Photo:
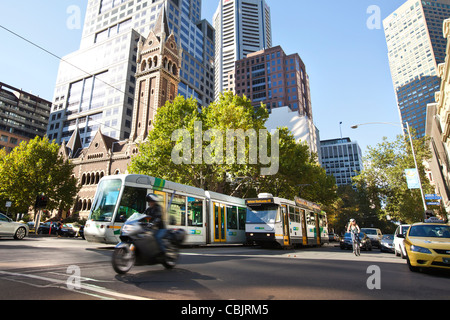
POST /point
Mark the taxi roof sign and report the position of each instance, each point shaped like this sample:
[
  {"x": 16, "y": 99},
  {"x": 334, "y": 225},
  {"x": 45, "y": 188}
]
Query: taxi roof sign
[{"x": 434, "y": 220}]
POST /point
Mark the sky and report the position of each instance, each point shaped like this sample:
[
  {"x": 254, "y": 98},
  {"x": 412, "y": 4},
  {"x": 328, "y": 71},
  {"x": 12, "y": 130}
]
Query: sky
[{"x": 346, "y": 61}]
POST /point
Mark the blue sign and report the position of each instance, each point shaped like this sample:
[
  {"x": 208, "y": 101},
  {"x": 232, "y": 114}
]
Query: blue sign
[
  {"x": 433, "y": 203},
  {"x": 432, "y": 197},
  {"x": 412, "y": 178}
]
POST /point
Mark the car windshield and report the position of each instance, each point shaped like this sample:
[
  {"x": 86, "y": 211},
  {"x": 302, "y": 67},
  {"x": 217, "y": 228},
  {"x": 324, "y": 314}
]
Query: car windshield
[
  {"x": 262, "y": 215},
  {"x": 430, "y": 231},
  {"x": 349, "y": 235},
  {"x": 369, "y": 231},
  {"x": 388, "y": 237},
  {"x": 405, "y": 229}
]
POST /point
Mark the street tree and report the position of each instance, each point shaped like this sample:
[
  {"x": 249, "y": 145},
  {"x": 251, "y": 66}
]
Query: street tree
[
  {"x": 35, "y": 168},
  {"x": 384, "y": 180},
  {"x": 216, "y": 149}
]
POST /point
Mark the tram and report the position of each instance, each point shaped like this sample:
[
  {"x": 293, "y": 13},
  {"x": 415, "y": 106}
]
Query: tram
[
  {"x": 286, "y": 223},
  {"x": 207, "y": 217}
]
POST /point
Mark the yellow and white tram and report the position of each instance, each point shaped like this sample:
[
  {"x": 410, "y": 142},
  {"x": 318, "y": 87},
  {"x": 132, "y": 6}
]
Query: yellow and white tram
[
  {"x": 207, "y": 217},
  {"x": 273, "y": 220}
]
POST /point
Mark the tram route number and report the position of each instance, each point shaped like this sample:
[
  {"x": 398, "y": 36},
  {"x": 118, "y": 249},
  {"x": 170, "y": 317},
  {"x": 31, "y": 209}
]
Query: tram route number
[{"x": 231, "y": 309}]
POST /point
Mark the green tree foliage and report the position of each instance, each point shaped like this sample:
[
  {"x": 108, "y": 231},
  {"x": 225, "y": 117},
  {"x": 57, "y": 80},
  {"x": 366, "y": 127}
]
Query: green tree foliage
[
  {"x": 298, "y": 171},
  {"x": 384, "y": 181},
  {"x": 34, "y": 168}
]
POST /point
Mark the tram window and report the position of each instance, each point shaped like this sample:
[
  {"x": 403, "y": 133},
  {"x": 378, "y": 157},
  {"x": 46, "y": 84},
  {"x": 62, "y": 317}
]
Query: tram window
[
  {"x": 106, "y": 200},
  {"x": 297, "y": 215},
  {"x": 133, "y": 200},
  {"x": 231, "y": 218},
  {"x": 310, "y": 219},
  {"x": 195, "y": 212},
  {"x": 242, "y": 213},
  {"x": 177, "y": 213},
  {"x": 291, "y": 214}
]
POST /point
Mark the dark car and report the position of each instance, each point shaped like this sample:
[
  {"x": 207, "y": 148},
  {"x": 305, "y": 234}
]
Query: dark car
[
  {"x": 346, "y": 242},
  {"x": 387, "y": 243},
  {"x": 56, "y": 228},
  {"x": 48, "y": 228}
]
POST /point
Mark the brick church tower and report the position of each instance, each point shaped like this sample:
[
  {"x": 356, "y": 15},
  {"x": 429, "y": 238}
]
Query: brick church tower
[{"x": 157, "y": 77}]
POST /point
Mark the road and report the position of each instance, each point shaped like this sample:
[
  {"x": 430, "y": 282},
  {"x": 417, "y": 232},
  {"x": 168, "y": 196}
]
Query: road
[{"x": 72, "y": 269}]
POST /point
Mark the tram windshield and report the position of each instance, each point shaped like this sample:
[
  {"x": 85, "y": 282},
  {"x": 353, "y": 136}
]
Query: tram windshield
[
  {"x": 132, "y": 201},
  {"x": 105, "y": 200},
  {"x": 262, "y": 215}
]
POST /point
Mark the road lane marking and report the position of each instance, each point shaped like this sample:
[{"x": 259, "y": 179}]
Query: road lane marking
[{"x": 63, "y": 285}]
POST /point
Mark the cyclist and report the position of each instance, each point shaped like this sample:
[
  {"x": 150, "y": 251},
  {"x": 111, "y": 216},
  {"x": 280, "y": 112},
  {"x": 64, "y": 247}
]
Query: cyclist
[{"x": 354, "y": 230}]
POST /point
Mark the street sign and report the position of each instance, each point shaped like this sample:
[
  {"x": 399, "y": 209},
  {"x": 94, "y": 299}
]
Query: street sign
[
  {"x": 412, "y": 178},
  {"x": 432, "y": 197},
  {"x": 8, "y": 204},
  {"x": 433, "y": 203}
]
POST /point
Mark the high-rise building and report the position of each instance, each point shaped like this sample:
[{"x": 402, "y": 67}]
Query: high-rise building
[
  {"x": 342, "y": 159},
  {"x": 271, "y": 77},
  {"x": 95, "y": 87},
  {"x": 242, "y": 27},
  {"x": 157, "y": 79},
  {"x": 415, "y": 48},
  {"x": 23, "y": 116}
]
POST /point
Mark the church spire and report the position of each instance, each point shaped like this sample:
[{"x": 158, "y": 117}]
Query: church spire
[{"x": 162, "y": 26}]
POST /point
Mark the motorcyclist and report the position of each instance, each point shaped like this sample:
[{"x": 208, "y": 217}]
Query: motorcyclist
[{"x": 154, "y": 214}]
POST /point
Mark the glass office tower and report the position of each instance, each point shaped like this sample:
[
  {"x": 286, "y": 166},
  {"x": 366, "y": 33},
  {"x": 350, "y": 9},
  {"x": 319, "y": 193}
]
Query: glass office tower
[
  {"x": 415, "y": 48},
  {"x": 242, "y": 27},
  {"x": 96, "y": 85}
]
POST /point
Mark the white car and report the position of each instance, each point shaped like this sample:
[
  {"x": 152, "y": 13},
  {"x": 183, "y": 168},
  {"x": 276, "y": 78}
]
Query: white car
[
  {"x": 9, "y": 228},
  {"x": 399, "y": 247}
]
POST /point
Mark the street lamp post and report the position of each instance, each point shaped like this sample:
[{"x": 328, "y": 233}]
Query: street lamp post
[{"x": 413, "y": 153}]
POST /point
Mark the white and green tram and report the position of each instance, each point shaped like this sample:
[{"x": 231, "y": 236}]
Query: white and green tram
[
  {"x": 272, "y": 220},
  {"x": 207, "y": 217}
]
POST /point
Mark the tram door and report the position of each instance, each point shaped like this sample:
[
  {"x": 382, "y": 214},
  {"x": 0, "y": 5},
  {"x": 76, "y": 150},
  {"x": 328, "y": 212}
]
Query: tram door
[
  {"x": 319, "y": 240},
  {"x": 219, "y": 223},
  {"x": 286, "y": 235},
  {"x": 304, "y": 229}
]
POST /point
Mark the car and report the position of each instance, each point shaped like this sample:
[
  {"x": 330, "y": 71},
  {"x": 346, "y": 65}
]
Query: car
[
  {"x": 67, "y": 231},
  {"x": 79, "y": 229},
  {"x": 387, "y": 243},
  {"x": 428, "y": 246},
  {"x": 9, "y": 228},
  {"x": 48, "y": 228},
  {"x": 346, "y": 242},
  {"x": 375, "y": 236},
  {"x": 333, "y": 237},
  {"x": 399, "y": 237}
]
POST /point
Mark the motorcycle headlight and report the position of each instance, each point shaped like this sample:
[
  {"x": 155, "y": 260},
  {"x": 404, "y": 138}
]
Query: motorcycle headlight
[{"x": 420, "y": 249}]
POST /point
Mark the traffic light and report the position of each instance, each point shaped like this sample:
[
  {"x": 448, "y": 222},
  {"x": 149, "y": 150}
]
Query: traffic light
[{"x": 41, "y": 202}]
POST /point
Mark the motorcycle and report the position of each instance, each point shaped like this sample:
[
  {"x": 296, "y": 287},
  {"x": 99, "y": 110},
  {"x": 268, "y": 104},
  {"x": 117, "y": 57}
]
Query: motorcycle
[{"x": 139, "y": 246}]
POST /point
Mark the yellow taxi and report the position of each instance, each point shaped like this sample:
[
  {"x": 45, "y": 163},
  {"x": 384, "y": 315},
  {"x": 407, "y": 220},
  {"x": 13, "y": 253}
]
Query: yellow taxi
[{"x": 428, "y": 245}]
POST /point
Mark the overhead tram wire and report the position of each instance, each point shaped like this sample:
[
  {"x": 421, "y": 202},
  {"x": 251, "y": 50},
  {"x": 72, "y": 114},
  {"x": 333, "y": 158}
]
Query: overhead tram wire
[{"x": 71, "y": 64}]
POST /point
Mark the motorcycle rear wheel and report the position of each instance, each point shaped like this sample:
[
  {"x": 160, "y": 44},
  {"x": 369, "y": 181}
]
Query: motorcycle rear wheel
[
  {"x": 123, "y": 260},
  {"x": 171, "y": 256}
]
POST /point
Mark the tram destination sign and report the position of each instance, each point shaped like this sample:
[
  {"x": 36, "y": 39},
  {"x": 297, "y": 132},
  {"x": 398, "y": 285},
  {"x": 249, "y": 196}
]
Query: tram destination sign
[{"x": 256, "y": 202}]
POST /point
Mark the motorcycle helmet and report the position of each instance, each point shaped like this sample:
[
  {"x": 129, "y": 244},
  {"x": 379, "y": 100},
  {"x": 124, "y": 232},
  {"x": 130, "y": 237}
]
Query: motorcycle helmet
[{"x": 151, "y": 197}]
